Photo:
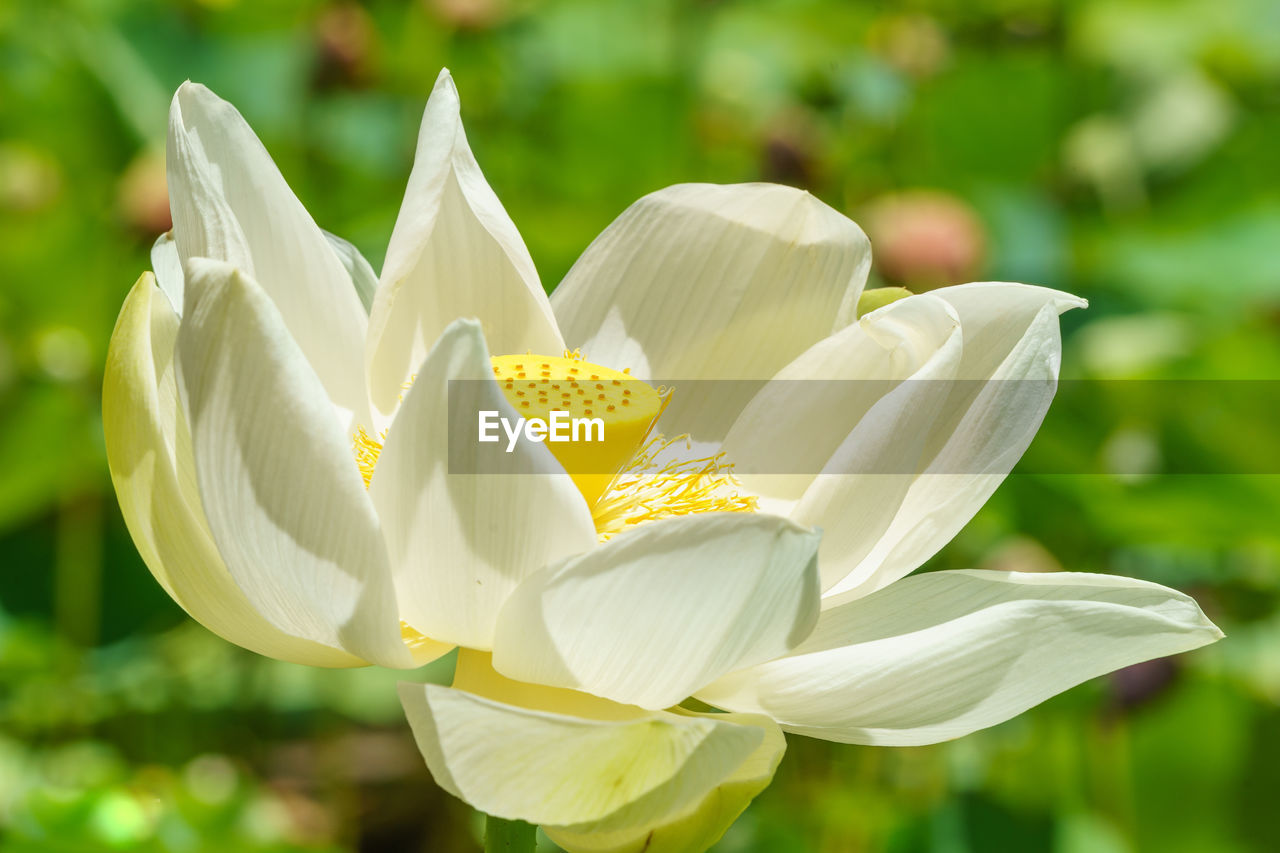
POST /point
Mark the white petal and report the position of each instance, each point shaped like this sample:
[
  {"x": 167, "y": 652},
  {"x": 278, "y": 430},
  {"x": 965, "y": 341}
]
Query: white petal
[
  {"x": 149, "y": 454},
  {"x": 363, "y": 278},
  {"x": 699, "y": 281},
  {"x": 798, "y": 421},
  {"x": 454, "y": 253},
  {"x": 168, "y": 270},
  {"x": 460, "y": 542},
  {"x": 280, "y": 488},
  {"x": 230, "y": 203},
  {"x": 1007, "y": 378},
  {"x": 865, "y": 481},
  {"x": 943, "y": 654},
  {"x": 706, "y": 821},
  {"x": 548, "y": 768},
  {"x": 995, "y": 316},
  {"x": 661, "y": 610}
]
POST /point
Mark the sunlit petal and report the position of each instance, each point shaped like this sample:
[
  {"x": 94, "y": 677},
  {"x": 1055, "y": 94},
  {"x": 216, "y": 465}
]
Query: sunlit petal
[
  {"x": 550, "y": 768},
  {"x": 230, "y": 203},
  {"x": 454, "y": 253},
  {"x": 460, "y": 542},
  {"x": 940, "y": 655},
  {"x": 1006, "y": 380},
  {"x": 659, "y": 611},
  {"x": 702, "y": 825},
  {"x": 700, "y": 281},
  {"x": 149, "y": 454},
  {"x": 280, "y": 488}
]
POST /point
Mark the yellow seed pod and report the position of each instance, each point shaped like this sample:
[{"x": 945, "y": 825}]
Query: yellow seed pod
[{"x": 537, "y": 385}]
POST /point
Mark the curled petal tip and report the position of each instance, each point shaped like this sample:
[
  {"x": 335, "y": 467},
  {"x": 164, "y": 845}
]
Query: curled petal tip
[
  {"x": 468, "y": 323},
  {"x": 444, "y": 83},
  {"x": 191, "y": 93},
  {"x": 469, "y": 327}
]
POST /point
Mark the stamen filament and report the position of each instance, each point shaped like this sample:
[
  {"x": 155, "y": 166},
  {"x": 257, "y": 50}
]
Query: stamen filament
[{"x": 647, "y": 490}]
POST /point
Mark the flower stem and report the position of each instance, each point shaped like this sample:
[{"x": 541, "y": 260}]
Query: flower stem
[{"x": 509, "y": 836}]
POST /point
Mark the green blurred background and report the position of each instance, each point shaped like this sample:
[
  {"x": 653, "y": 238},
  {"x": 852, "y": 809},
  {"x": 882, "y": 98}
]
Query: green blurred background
[{"x": 1126, "y": 151}]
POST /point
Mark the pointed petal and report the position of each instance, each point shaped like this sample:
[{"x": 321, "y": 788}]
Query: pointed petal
[
  {"x": 149, "y": 455},
  {"x": 699, "y": 281},
  {"x": 454, "y": 253},
  {"x": 865, "y": 481},
  {"x": 230, "y": 203},
  {"x": 168, "y": 270},
  {"x": 549, "y": 768},
  {"x": 995, "y": 316},
  {"x": 277, "y": 479},
  {"x": 659, "y": 611},
  {"x": 702, "y": 825},
  {"x": 363, "y": 278},
  {"x": 943, "y": 654},
  {"x": 798, "y": 421},
  {"x": 460, "y": 542},
  {"x": 1006, "y": 380}
]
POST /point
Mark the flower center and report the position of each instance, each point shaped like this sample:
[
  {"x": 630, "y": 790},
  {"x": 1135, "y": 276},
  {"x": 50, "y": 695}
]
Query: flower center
[
  {"x": 630, "y": 477},
  {"x": 665, "y": 480},
  {"x": 537, "y": 385}
]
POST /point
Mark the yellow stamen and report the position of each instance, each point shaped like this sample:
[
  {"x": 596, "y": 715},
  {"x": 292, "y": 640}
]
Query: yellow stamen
[
  {"x": 629, "y": 478},
  {"x": 649, "y": 489},
  {"x": 367, "y": 449}
]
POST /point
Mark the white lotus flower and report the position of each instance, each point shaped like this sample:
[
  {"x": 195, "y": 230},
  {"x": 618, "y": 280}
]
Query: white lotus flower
[{"x": 240, "y": 374}]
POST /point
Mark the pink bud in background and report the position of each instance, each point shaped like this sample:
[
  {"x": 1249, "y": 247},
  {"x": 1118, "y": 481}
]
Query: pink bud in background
[
  {"x": 925, "y": 239},
  {"x": 142, "y": 196}
]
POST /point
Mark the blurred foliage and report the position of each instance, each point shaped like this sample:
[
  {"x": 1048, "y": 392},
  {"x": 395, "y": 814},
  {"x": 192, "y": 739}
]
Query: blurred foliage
[{"x": 1120, "y": 149}]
